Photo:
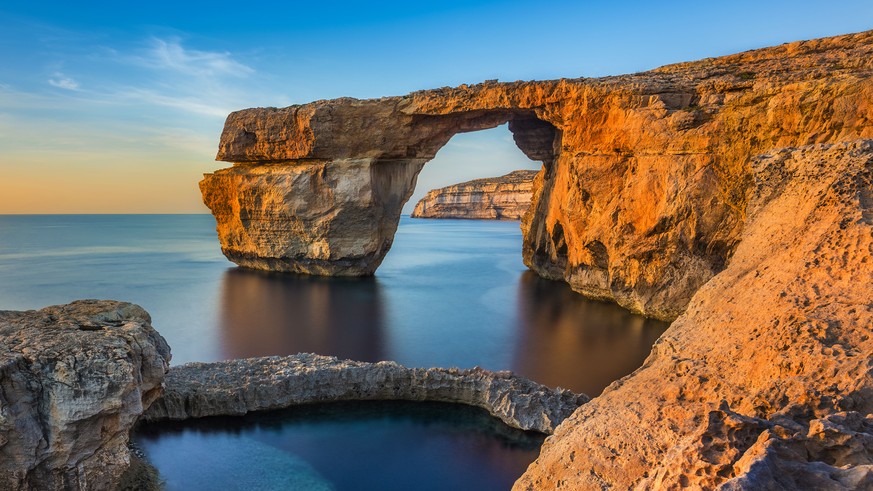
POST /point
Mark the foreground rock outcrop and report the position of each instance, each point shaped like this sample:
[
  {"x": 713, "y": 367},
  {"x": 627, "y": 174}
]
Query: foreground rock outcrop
[
  {"x": 645, "y": 182},
  {"x": 766, "y": 381},
  {"x": 495, "y": 198},
  {"x": 73, "y": 381},
  {"x": 237, "y": 387}
]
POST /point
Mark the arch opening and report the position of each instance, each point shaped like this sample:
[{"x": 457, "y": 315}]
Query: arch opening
[
  {"x": 536, "y": 138},
  {"x": 482, "y": 156}
]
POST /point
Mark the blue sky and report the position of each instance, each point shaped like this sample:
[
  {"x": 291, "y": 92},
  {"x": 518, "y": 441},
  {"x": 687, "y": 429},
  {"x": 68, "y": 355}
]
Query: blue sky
[{"x": 117, "y": 107}]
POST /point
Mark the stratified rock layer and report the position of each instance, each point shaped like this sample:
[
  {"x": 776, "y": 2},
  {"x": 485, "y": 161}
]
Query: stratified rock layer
[
  {"x": 73, "y": 380},
  {"x": 645, "y": 181},
  {"x": 237, "y": 387},
  {"x": 314, "y": 217},
  {"x": 496, "y": 198},
  {"x": 766, "y": 381}
]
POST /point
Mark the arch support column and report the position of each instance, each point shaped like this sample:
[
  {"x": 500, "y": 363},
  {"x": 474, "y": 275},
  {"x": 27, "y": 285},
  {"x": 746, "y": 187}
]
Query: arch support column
[{"x": 322, "y": 217}]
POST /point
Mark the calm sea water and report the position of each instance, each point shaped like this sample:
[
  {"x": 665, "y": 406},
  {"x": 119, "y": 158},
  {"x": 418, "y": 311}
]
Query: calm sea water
[{"x": 449, "y": 293}]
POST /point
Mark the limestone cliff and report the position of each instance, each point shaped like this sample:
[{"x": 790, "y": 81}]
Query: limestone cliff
[
  {"x": 645, "y": 183},
  {"x": 765, "y": 382},
  {"x": 497, "y": 198},
  {"x": 73, "y": 380}
]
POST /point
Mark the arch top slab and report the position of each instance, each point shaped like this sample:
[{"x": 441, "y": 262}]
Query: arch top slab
[{"x": 386, "y": 129}]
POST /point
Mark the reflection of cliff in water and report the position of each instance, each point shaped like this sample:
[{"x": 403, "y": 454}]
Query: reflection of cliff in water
[
  {"x": 568, "y": 340},
  {"x": 270, "y": 314},
  {"x": 558, "y": 338}
]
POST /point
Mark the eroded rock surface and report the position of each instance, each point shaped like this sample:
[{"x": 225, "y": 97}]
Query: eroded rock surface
[
  {"x": 331, "y": 218},
  {"x": 645, "y": 181},
  {"x": 766, "y": 381},
  {"x": 237, "y": 387},
  {"x": 495, "y": 198},
  {"x": 73, "y": 380}
]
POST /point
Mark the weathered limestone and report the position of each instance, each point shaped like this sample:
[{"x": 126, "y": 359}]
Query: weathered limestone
[
  {"x": 315, "y": 217},
  {"x": 73, "y": 380},
  {"x": 644, "y": 188},
  {"x": 237, "y": 387},
  {"x": 495, "y": 198},
  {"x": 766, "y": 381}
]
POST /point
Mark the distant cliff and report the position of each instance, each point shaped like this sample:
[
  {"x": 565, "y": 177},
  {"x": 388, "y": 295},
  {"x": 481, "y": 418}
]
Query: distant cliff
[{"x": 493, "y": 198}]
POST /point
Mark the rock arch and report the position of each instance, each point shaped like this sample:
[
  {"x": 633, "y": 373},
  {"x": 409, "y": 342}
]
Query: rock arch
[
  {"x": 319, "y": 189},
  {"x": 643, "y": 197}
]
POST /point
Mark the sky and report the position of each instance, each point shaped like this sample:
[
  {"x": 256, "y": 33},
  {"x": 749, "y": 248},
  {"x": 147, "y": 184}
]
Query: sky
[{"x": 117, "y": 107}]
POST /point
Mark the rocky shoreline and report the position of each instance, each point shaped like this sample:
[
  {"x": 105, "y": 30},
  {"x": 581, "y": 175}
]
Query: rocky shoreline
[
  {"x": 76, "y": 378},
  {"x": 237, "y": 387},
  {"x": 495, "y": 198},
  {"x": 765, "y": 382}
]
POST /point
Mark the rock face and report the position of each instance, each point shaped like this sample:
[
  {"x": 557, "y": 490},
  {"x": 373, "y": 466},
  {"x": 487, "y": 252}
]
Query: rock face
[
  {"x": 645, "y": 182},
  {"x": 766, "y": 381},
  {"x": 73, "y": 380},
  {"x": 237, "y": 387},
  {"x": 497, "y": 198}
]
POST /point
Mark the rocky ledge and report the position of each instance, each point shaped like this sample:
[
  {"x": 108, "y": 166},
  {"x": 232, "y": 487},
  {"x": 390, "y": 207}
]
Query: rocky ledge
[
  {"x": 645, "y": 182},
  {"x": 766, "y": 381},
  {"x": 73, "y": 381},
  {"x": 237, "y": 387},
  {"x": 495, "y": 198}
]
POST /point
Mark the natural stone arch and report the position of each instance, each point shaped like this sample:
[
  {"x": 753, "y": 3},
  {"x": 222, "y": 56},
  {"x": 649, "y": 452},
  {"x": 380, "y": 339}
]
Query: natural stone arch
[
  {"x": 643, "y": 197},
  {"x": 323, "y": 195}
]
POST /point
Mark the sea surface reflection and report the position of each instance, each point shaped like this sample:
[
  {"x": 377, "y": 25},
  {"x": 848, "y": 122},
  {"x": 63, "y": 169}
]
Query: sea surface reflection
[
  {"x": 558, "y": 337},
  {"x": 449, "y": 293},
  {"x": 569, "y": 341},
  {"x": 270, "y": 314}
]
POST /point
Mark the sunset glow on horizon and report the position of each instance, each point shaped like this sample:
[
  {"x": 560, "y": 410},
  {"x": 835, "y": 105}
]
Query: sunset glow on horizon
[{"x": 118, "y": 109}]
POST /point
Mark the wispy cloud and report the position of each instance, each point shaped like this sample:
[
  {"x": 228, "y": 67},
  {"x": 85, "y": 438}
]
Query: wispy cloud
[
  {"x": 187, "y": 103},
  {"x": 171, "y": 75},
  {"x": 62, "y": 81},
  {"x": 169, "y": 54}
]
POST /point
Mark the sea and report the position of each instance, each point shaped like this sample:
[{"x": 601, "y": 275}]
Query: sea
[{"x": 450, "y": 293}]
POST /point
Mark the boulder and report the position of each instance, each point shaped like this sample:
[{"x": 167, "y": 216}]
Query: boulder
[{"x": 73, "y": 381}]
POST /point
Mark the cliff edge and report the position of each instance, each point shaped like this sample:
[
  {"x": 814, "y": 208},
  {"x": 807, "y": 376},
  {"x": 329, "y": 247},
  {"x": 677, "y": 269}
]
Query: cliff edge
[
  {"x": 765, "y": 382},
  {"x": 496, "y": 198}
]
